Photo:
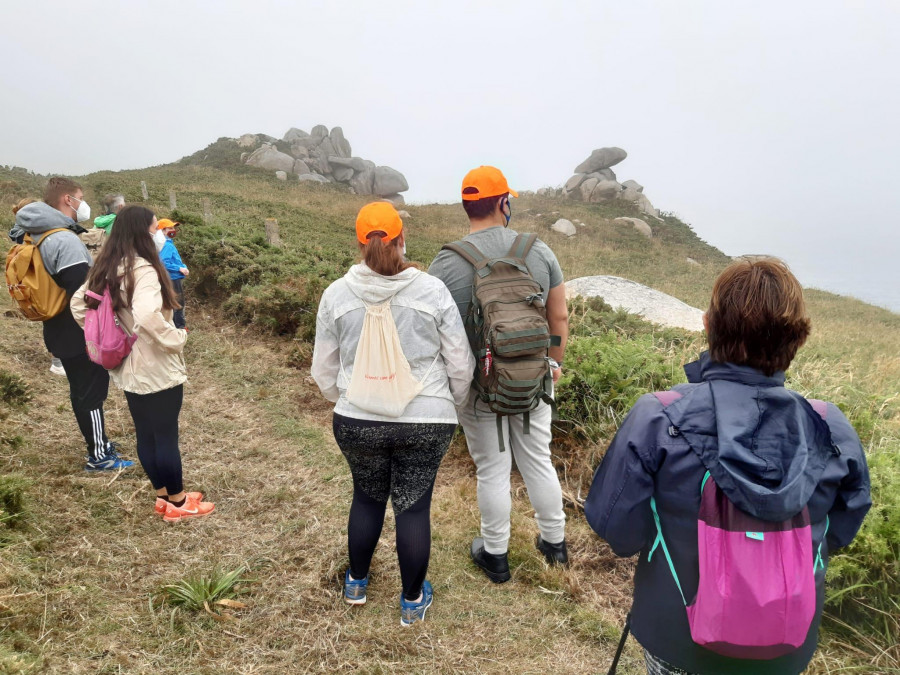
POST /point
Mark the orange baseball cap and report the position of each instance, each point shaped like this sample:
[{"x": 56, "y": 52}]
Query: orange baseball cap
[
  {"x": 483, "y": 182},
  {"x": 165, "y": 224},
  {"x": 378, "y": 217}
]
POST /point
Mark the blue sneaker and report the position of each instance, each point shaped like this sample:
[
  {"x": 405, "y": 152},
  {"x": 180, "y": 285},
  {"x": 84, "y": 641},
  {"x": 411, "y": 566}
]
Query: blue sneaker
[
  {"x": 410, "y": 612},
  {"x": 109, "y": 462},
  {"x": 355, "y": 589}
]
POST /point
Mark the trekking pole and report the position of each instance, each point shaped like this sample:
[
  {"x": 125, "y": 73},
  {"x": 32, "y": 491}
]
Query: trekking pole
[{"x": 615, "y": 663}]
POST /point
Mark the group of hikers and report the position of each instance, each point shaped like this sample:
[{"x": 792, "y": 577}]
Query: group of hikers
[{"x": 732, "y": 489}]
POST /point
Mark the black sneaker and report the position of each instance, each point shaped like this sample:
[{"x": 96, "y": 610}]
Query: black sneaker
[
  {"x": 496, "y": 567},
  {"x": 555, "y": 554}
]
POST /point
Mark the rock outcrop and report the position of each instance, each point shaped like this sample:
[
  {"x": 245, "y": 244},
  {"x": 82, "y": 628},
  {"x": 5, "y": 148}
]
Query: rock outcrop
[
  {"x": 636, "y": 298},
  {"x": 595, "y": 182},
  {"x": 323, "y": 156}
]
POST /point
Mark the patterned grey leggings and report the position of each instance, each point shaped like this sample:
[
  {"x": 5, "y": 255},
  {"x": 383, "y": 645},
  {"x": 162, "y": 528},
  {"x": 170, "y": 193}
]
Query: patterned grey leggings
[
  {"x": 656, "y": 666},
  {"x": 397, "y": 461}
]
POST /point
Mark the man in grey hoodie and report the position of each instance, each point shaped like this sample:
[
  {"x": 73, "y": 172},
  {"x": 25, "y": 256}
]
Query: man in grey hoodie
[{"x": 67, "y": 261}]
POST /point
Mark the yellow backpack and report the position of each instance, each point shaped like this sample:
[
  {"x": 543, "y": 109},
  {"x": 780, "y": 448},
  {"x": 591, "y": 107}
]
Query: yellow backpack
[{"x": 30, "y": 285}]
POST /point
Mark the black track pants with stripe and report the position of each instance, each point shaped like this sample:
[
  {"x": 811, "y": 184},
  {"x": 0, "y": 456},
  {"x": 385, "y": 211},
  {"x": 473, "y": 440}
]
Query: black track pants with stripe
[{"x": 88, "y": 388}]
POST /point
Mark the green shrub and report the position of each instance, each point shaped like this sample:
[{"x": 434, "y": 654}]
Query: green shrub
[
  {"x": 14, "y": 391},
  {"x": 284, "y": 309},
  {"x": 606, "y": 374},
  {"x": 13, "y": 489}
]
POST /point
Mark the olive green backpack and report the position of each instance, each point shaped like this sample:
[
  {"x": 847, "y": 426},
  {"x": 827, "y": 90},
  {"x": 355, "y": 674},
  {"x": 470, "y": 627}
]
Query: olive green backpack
[{"x": 508, "y": 330}]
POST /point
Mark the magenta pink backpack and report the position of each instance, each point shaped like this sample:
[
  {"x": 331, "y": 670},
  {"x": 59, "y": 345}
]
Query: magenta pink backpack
[
  {"x": 756, "y": 597},
  {"x": 108, "y": 343}
]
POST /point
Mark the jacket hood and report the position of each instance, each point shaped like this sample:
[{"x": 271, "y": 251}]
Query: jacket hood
[
  {"x": 375, "y": 289},
  {"x": 763, "y": 444},
  {"x": 39, "y": 217}
]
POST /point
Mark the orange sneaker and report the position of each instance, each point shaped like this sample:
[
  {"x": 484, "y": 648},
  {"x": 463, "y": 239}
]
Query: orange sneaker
[
  {"x": 160, "y": 506},
  {"x": 192, "y": 508}
]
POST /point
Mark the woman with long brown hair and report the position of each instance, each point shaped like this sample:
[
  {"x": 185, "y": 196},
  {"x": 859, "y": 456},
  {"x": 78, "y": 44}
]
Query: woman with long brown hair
[
  {"x": 392, "y": 353},
  {"x": 153, "y": 374}
]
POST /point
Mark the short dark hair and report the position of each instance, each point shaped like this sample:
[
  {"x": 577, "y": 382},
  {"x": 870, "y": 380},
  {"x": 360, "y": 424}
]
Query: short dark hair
[
  {"x": 57, "y": 188},
  {"x": 757, "y": 316},
  {"x": 482, "y": 208}
]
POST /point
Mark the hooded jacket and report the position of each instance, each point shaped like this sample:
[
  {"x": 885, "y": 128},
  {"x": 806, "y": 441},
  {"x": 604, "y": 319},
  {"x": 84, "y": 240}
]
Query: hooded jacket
[
  {"x": 769, "y": 452},
  {"x": 428, "y": 325},
  {"x": 105, "y": 222},
  {"x": 156, "y": 361},
  {"x": 68, "y": 261}
]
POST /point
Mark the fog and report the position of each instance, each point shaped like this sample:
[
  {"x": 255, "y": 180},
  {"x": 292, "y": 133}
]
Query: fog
[{"x": 770, "y": 127}]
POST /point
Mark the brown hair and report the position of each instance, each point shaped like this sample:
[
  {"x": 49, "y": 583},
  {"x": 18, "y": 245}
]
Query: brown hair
[
  {"x": 129, "y": 239},
  {"x": 23, "y": 202},
  {"x": 757, "y": 316},
  {"x": 57, "y": 188},
  {"x": 482, "y": 208},
  {"x": 384, "y": 258}
]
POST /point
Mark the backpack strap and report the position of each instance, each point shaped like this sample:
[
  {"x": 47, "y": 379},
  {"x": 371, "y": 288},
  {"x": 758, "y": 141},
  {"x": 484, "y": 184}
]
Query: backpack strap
[
  {"x": 470, "y": 253},
  {"x": 48, "y": 233},
  {"x": 667, "y": 397},
  {"x": 522, "y": 245},
  {"x": 820, "y": 407}
]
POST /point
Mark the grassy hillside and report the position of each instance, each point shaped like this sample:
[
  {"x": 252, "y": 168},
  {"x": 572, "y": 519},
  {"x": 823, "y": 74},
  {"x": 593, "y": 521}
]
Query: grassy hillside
[{"x": 83, "y": 566}]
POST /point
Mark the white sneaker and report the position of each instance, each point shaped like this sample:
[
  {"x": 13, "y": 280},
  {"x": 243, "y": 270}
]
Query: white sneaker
[{"x": 56, "y": 367}]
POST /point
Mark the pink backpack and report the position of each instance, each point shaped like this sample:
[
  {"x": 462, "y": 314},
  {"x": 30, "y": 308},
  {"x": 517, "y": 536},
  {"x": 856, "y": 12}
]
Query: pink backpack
[
  {"x": 108, "y": 343},
  {"x": 756, "y": 598}
]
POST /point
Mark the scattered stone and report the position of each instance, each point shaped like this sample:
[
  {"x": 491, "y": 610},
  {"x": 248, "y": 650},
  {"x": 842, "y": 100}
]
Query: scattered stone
[
  {"x": 565, "y": 227},
  {"x": 341, "y": 145},
  {"x": 404, "y": 215},
  {"x": 248, "y": 140},
  {"x": 281, "y": 175},
  {"x": 574, "y": 182},
  {"x": 692, "y": 262},
  {"x": 267, "y": 157},
  {"x": 604, "y": 190},
  {"x": 636, "y": 298},
  {"x": 341, "y": 174},
  {"x": 646, "y": 207},
  {"x": 244, "y": 156},
  {"x": 633, "y": 184},
  {"x": 586, "y": 188},
  {"x": 312, "y": 177},
  {"x": 637, "y": 224},
  {"x": 395, "y": 199},
  {"x": 293, "y": 134},
  {"x": 388, "y": 181},
  {"x": 300, "y": 167},
  {"x": 629, "y": 194},
  {"x": 602, "y": 158}
]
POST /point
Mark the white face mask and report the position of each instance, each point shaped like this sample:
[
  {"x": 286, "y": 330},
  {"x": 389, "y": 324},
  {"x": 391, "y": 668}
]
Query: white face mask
[
  {"x": 83, "y": 212},
  {"x": 159, "y": 239}
]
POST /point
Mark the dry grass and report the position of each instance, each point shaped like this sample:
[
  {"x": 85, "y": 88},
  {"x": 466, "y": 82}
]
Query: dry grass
[{"x": 81, "y": 591}]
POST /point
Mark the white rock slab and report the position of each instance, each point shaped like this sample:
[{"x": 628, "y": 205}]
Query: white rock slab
[{"x": 635, "y": 298}]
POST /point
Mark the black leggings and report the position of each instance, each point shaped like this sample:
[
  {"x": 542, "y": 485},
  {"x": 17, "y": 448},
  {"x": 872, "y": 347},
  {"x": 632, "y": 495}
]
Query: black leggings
[
  {"x": 156, "y": 426},
  {"x": 400, "y": 461}
]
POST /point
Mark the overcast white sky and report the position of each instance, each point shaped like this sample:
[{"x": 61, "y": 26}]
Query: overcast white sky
[{"x": 769, "y": 126}]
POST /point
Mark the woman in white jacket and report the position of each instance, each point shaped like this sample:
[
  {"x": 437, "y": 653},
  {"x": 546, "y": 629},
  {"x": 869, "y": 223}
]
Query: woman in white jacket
[
  {"x": 392, "y": 453},
  {"x": 153, "y": 374}
]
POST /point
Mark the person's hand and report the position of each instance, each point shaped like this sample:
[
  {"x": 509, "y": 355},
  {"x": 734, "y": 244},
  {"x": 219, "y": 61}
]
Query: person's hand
[
  {"x": 184, "y": 271},
  {"x": 557, "y": 372}
]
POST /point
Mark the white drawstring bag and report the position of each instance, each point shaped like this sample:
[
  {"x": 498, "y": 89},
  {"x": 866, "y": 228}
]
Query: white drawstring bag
[{"x": 382, "y": 382}]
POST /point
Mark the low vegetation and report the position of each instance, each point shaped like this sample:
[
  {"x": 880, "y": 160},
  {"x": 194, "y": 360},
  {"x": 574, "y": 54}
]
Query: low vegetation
[{"x": 256, "y": 436}]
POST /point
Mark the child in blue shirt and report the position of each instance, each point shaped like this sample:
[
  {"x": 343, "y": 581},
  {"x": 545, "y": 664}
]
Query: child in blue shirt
[{"x": 174, "y": 266}]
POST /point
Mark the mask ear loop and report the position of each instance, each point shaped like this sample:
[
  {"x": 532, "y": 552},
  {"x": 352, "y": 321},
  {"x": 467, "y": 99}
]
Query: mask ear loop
[{"x": 506, "y": 215}]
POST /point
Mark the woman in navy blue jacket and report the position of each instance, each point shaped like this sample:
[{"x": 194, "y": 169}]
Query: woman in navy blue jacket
[{"x": 768, "y": 450}]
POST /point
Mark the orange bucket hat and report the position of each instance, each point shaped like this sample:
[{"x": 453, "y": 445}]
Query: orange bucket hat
[
  {"x": 483, "y": 182},
  {"x": 378, "y": 217}
]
